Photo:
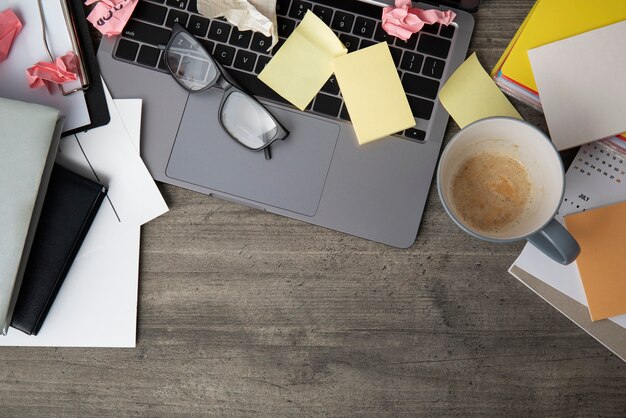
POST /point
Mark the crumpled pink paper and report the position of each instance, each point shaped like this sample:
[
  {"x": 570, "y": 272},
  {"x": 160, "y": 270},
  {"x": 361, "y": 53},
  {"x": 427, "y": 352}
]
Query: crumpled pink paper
[
  {"x": 110, "y": 16},
  {"x": 403, "y": 20},
  {"x": 10, "y": 26},
  {"x": 51, "y": 74}
]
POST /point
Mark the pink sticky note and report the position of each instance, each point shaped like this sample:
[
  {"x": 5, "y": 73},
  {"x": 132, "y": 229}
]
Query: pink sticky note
[
  {"x": 402, "y": 21},
  {"x": 10, "y": 26},
  {"x": 50, "y": 74},
  {"x": 110, "y": 16}
]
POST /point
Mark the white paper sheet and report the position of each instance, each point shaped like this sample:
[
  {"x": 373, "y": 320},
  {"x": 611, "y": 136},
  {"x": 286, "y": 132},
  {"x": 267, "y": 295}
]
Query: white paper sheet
[
  {"x": 29, "y": 48},
  {"x": 113, "y": 160},
  {"x": 581, "y": 82},
  {"x": 97, "y": 303}
]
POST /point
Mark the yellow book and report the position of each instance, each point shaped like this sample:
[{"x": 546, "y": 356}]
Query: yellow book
[{"x": 553, "y": 20}]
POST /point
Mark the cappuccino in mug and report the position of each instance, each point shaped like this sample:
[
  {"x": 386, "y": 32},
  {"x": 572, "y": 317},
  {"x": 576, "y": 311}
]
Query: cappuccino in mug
[{"x": 500, "y": 179}]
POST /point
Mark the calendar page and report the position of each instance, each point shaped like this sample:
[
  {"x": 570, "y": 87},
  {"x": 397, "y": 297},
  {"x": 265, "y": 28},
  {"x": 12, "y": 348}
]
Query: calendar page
[{"x": 597, "y": 177}]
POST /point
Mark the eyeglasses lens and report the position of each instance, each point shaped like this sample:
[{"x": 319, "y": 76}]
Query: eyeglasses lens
[
  {"x": 189, "y": 62},
  {"x": 247, "y": 121}
]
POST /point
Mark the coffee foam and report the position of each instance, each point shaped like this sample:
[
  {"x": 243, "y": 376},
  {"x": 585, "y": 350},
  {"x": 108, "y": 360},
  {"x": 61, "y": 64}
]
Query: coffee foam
[{"x": 491, "y": 192}]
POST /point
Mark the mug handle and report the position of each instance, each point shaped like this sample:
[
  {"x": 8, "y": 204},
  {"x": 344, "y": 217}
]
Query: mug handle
[{"x": 554, "y": 241}]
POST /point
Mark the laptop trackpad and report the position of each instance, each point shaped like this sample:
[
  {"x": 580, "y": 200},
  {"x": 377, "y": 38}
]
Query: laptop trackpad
[{"x": 204, "y": 155}]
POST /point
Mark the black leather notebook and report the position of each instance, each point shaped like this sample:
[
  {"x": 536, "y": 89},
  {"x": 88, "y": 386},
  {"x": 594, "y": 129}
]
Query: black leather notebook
[{"x": 69, "y": 208}]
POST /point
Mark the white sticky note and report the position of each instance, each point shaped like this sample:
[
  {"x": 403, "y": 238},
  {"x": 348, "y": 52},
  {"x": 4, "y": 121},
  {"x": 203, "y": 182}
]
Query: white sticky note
[{"x": 581, "y": 82}]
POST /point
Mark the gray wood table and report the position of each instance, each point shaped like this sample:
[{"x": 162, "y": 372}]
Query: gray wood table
[{"x": 247, "y": 313}]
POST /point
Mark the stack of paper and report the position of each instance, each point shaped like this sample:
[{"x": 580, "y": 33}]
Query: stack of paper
[
  {"x": 97, "y": 304},
  {"x": 596, "y": 178}
]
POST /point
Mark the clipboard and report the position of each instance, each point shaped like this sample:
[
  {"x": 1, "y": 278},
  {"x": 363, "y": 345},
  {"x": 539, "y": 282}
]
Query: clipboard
[
  {"x": 62, "y": 27},
  {"x": 94, "y": 95}
]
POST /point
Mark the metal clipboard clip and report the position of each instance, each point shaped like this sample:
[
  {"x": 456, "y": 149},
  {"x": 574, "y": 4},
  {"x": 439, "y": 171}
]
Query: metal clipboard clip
[{"x": 76, "y": 48}]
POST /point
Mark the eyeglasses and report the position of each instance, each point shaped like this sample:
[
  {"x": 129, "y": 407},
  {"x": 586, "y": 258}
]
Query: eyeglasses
[{"x": 243, "y": 117}]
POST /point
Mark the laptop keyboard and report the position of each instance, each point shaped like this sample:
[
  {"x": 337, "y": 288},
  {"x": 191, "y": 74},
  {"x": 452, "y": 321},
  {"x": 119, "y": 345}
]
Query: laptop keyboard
[{"x": 420, "y": 61}]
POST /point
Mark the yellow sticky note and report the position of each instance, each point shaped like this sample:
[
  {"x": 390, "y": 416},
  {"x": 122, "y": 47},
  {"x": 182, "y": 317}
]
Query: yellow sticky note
[
  {"x": 373, "y": 93},
  {"x": 470, "y": 95},
  {"x": 304, "y": 63}
]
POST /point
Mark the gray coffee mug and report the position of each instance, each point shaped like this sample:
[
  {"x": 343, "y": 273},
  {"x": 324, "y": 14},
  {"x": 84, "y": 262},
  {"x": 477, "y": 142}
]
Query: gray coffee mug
[{"x": 534, "y": 150}]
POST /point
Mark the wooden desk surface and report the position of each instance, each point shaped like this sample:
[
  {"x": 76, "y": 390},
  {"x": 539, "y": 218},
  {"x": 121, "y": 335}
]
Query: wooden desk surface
[{"x": 247, "y": 313}]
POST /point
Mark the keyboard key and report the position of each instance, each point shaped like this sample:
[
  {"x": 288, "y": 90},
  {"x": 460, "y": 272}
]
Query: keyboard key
[
  {"x": 351, "y": 42},
  {"x": 173, "y": 60},
  {"x": 146, "y": 33},
  {"x": 327, "y": 105},
  {"x": 433, "y": 67},
  {"x": 260, "y": 43},
  {"x": 179, "y": 4},
  {"x": 412, "y": 62},
  {"x": 324, "y": 13},
  {"x": 193, "y": 69},
  {"x": 162, "y": 65},
  {"x": 245, "y": 60},
  {"x": 261, "y": 63},
  {"x": 282, "y": 6},
  {"x": 198, "y": 25},
  {"x": 420, "y": 86},
  {"x": 447, "y": 31},
  {"x": 253, "y": 85},
  {"x": 182, "y": 43},
  {"x": 299, "y": 9},
  {"x": 224, "y": 54},
  {"x": 219, "y": 31},
  {"x": 176, "y": 16},
  {"x": 421, "y": 108},
  {"x": 280, "y": 43},
  {"x": 364, "y": 27},
  {"x": 240, "y": 39},
  {"x": 343, "y": 21},
  {"x": 396, "y": 54},
  {"x": 150, "y": 12},
  {"x": 344, "y": 113},
  {"x": 285, "y": 27},
  {"x": 331, "y": 86},
  {"x": 148, "y": 56},
  {"x": 431, "y": 45},
  {"x": 381, "y": 36},
  {"x": 208, "y": 45},
  {"x": 434, "y": 28},
  {"x": 126, "y": 50},
  {"x": 366, "y": 42},
  {"x": 410, "y": 43},
  {"x": 415, "y": 134}
]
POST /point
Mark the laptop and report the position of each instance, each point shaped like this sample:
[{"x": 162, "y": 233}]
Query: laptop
[{"x": 319, "y": 174}]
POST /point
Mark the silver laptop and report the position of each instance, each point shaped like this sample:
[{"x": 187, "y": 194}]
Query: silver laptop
[{"x": 319, "y": 174}]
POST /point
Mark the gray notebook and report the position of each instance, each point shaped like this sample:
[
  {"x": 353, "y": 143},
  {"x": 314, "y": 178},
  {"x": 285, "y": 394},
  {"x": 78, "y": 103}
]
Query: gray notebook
[{"x": 29, "y": 137}]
